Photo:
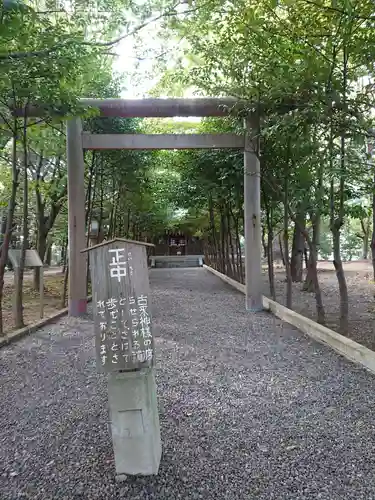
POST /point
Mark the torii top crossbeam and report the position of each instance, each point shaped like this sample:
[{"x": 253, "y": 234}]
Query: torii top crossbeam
[
  {"x": 163, "y": 108},
  {"x": 154, "y": 108}
]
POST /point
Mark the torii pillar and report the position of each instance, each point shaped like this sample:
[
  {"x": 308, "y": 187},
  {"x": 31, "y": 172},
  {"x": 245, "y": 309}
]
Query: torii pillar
[
  {"x": 252, "y": 224},
  {"x": 77, "y": 296}
]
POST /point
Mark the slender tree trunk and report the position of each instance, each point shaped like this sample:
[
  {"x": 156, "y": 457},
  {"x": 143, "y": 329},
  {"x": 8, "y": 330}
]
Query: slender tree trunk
[
  {"x": 128, "y": 224},
  {"x": 337, "y": 262},
  {"x": 230, "y": 271},
  {"x": 264, "y": 242},
  {"x": 373, "y": 225},
  {"x": 48, "y": 256},
  {"x": 306, "y": 257},
  {"x": 19, "y": 273},
  {"x": 9, "y": 225},
  {"x": 101, "y": 212},
  {"x": 281, "y": 249},
  {"x": 45, "y": 222},
  {"x": 296, "y": 264},
  {"x": 336, "y": 224},
  {"x": 269, "y": 244},
  {"x": 65, "y": 286},
  {"x": 314, "y": 276},
  {"x": 271, "y": 272},
  {"x": 213, "y": 232},
  {"x": 286, "y": 238},
  {"x": 241, "y": 277},
  {"x": 41, "y": 249},
  {"x": 365, "y": 225},
  {"x": 231, "y": 246},
  {"x": 90, "y": 198},
  {"x": 64, "y": 259},
  {"x": 223, "y": 258},
  {"x": 308, "y": 284},
  {"x": 90, "y": 192},
  {"x": 313, "y": 271},
  {"x": 115, "y": 216}
]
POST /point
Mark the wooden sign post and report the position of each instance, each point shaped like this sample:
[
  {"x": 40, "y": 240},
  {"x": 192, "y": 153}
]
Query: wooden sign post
[{"x": 125, "y": 350}]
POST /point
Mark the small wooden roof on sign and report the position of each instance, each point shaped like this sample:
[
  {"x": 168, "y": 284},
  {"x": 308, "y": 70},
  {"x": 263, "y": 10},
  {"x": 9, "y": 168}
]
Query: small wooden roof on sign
[
  {"x": 123, "y": 240},
  {"x": 32, "y": 258}
]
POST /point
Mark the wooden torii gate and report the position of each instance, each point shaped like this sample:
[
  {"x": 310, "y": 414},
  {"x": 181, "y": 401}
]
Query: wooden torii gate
[{"x": 78, "y": 141}]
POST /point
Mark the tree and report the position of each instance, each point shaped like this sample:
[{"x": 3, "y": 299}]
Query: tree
[{"x": 248, "y": 51}]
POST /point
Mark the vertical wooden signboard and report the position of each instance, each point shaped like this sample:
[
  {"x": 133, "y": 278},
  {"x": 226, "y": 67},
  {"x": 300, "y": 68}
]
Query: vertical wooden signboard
[{"x": 121, "y": 305}]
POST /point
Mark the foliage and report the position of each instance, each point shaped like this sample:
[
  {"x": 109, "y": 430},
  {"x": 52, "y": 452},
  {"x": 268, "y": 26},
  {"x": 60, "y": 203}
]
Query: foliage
[{"x": 306, "y": 70}]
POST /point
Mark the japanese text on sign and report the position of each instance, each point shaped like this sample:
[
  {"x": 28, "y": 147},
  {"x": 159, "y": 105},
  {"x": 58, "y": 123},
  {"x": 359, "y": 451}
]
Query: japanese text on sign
[
  {"x": 118, "y": 266},
  {"x": 125, "y": 330}
]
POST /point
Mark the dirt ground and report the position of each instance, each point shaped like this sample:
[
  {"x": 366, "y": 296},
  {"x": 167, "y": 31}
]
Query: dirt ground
[
  {"x": 53, "y": 286},
  {"x": 361, "y": 288}
]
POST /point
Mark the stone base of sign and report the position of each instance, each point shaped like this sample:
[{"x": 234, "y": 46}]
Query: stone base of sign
[{"x": 134, "y": 422}]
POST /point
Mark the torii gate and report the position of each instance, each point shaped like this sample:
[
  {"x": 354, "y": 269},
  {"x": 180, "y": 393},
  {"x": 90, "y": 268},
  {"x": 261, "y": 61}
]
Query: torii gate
[{"x": 78, "y": 141}]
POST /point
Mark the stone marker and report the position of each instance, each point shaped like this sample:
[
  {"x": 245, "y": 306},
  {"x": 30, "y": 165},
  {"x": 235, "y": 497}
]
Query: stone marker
[{"x": 125, "y": 350}]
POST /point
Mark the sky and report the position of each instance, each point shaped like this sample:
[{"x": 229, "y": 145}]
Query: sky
[
  {"x": 127, "y": 63},
  {"x": 151, "y": 46}
]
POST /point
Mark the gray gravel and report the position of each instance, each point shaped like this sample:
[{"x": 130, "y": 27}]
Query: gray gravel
[{"x": 250, "y": 408}]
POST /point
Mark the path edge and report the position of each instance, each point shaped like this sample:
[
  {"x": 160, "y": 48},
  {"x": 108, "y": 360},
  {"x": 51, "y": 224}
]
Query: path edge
[
  {"x": 29, "y": 329},
  {"x": 348, "y": 348}
]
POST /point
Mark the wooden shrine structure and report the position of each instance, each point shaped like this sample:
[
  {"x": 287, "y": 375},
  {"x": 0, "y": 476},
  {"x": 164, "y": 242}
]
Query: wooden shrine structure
[{"x": 175, "y": 242}]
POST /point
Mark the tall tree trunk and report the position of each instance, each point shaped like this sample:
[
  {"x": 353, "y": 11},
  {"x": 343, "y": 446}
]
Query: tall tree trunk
[
  {"x": 223, "y": 259},
  {"x": 9, "y": 225},
  {"x": 241, "y": 277},
  {"x": 264, "y": 242},
  {"x": 101, "y": 212},
  {"x": 64, "y": 255},
  {"x": 271, "y": 272},
  {"x": 65, "y": 286},
  {"x": 313, "y": 271},
  {"x": 365, "y": 225},
  {"x": 45, "y": 222},
  {"x": 336, "y": 223},
  {"x": 281, "y": 249},
  {"x": 90, "y": 191},
  {"x": 213, "y": 232},
  {"x": 128, "y": 224},
  {"x": 231, "y": 246},
  {"x": 286, "y": 238},
  {"x": 373, "y": 224},
  {"x": 337, "y": 262},
  {"x": 48, "y": 255},
  {"x": 269, "y": 244},
  {"x": 41, "y": 249},
  {"x": 90, "y": 198},
  {"x": 315, "y": 281},
  {"x": 19, "y": 273},
  {"x": 298, "y": 247},
  {"x": 305, "y": 253}
]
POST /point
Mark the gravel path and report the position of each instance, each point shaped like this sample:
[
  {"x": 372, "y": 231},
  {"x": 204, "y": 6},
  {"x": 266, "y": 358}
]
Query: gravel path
[{"x": 250, "y": 408}]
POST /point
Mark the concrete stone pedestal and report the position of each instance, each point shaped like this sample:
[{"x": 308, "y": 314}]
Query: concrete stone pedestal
[{"x": 134, "y": 422}]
